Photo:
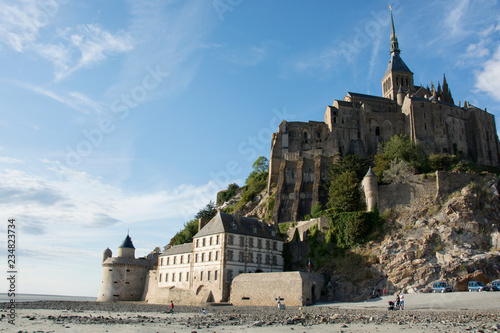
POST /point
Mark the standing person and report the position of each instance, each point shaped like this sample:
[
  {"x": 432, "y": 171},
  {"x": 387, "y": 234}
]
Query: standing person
[
  {"x": 279, "y": 303},
  {"x": 172, "y": 307},
  {"x": 384, "y": 292},
  {"x": 402, "y": 301}
]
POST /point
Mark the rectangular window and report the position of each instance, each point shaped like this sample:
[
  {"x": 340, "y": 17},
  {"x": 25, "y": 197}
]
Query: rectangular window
[
  {"x": 250, "y": 257},
  {"x": 173, "y": 277},
  {"x": 215, "y": 275},
  {"x": 259, "y": 259},
  {"x": 242, "y": 241},
  {"x": 161, "y": 261},
  {"x": 210, "y": 242},
  {"x": 196, "y": 257},
  {"x": 259, "y": 243},
  {"x": 202, "y": 257},
  {"x": 217, "y": 240},
  {"x": 203, "y": 242},
  {"x": 180, "y": 277},
  {"x": 209, "y": 256},
  {"x": 216, "y": 255},
  {"x": 240, "y": 256},
  {"x": 230, "y": 255},
  {"x": 275, "y": 260},
  {"x": 208, "y": 275},
  {"x": 187, "y": 276},
  {"x": 230, "y": 240},
  {"x": 275, "y": 246},
  {"x": 201, "y": 276},
  {"x": 250, "y": 242},
  {"x": 189, "y": 258},
  {"x": 168, "y": 260},
  {"x": 197, "y": 243},
  {"x": 166, "y": 277},
  {"x": 229, "y": 275},
  {"x": 174, "y": 259},
  {"x": 159, "y": 278},
  {"x": 268, "y": 245},
  {"x": 268, "y": 260},
  {"x": 182, "y": 257}
]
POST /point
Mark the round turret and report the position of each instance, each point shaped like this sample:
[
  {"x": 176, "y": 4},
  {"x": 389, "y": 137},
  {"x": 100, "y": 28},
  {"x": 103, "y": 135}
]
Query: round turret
[
  {"x": 370, "y": 187},
  {"x": 127, "y": 249},
  {"x": 106, "y": 254},
  {"x": 400, "y": 96}
]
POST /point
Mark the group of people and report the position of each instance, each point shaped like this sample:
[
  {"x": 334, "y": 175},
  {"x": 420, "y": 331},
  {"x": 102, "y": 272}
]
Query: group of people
[{"x": 399, "y": 303}]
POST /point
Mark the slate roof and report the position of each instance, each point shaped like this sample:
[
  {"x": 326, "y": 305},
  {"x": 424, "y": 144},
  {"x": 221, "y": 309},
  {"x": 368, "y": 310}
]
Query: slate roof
[
  {"x": 397, "y": 64},
  {"x": 127, "y": 243},
  {"x": 372, "y": 97},
  {"x": 223, "y": 222},
  {"x": 178, "y": 249}
]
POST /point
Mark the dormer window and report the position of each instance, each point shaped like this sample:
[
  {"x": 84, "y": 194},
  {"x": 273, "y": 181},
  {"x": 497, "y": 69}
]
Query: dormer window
[{"x": 234, "y": 225}]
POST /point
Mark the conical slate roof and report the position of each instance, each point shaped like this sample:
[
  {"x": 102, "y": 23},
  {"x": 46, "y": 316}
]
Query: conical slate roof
[{"x": 127, "y": 243}]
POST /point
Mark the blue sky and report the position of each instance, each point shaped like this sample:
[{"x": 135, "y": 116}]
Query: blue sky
[{"x": 121, "y": 116}]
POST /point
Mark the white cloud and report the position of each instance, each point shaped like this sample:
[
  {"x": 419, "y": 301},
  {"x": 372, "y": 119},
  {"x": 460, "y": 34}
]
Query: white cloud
[
  {"x": 90, "y": 43},
  {"x": 453, "y": 21},
  {"x": 10, "y": 160},
  {"x": 20, "y": 22},
  {"x": 73, "y": 99},
  {"x": 81, "y": 200},
  {"x": 488, "y": 79}
]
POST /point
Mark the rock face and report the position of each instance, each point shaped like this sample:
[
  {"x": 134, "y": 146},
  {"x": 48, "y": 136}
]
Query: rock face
[{"x": 454, "y": 239}]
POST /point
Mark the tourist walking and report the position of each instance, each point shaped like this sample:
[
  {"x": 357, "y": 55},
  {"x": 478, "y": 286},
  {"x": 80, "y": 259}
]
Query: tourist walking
[
  {"x": 402, "y": 301},
  {"x": 172, "y": 307},
  {"x": 279, "y": 303}
]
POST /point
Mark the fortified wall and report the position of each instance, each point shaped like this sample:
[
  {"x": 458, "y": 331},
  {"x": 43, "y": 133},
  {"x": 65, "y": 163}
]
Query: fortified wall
[{"x": 417, "y": 187}]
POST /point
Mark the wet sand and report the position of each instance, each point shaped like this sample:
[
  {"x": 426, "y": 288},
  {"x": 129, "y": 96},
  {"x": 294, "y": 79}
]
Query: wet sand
[{"x": 451, "y": 312}]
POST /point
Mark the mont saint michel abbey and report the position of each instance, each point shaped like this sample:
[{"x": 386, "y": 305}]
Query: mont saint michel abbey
[
  {"x": 219, "y": 265},
  {"x": 301, "y": 151}
]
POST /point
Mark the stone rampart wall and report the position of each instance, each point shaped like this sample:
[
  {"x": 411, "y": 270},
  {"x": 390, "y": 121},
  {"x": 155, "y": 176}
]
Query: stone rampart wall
[{"x": 263, "y": 289}]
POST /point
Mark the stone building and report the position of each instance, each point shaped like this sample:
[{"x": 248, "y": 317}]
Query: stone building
[
  {"x": 302, "y": 151},
  {"x": 223, "y": 248}
]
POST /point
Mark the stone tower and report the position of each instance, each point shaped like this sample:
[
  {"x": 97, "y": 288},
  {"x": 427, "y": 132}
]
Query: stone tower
[
  {"x": 123, "y": 277},
  {"x": 370, "y": 187},
  {"x": 397, "y": 74}
]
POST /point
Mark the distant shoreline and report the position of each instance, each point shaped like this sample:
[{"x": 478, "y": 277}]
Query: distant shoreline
[{"x": 44, "y": 297}]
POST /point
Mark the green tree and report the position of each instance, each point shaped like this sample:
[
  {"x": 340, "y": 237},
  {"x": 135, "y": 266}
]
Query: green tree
[
  {"x": 261, "y": 165},
  {"x": 399, "y": 147},
  {"x": 343, "y": 193},
  {"x": 207, "y": 212}
]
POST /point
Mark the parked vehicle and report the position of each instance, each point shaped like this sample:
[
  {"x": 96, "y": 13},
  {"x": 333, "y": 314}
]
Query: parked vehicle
[
  {"x": 478, "y": 286},
  {"x": 441, "y": 287},
  {"x": 495, "y": 285}
]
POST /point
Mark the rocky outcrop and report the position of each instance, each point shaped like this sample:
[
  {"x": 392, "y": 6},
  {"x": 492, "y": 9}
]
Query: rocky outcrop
[{"x": 454, "y": 239}]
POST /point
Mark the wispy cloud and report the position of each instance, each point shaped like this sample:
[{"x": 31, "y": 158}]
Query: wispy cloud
[
  {"x": 454, "y": 18},
  {"x": 73, "y": 99},
  {"x": 21, "y": 21},
  {"x": 77, "y": 198},
  {"x": 73, "y": 48},
  {"x": 83, "y": 47}
]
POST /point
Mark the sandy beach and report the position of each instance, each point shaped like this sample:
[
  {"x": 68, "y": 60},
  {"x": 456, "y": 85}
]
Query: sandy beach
[{"x": 451, "y": 312}]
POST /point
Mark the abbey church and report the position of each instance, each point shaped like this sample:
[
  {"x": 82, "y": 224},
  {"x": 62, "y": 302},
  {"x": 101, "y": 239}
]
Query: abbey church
[{"x": 302, "y": 151}]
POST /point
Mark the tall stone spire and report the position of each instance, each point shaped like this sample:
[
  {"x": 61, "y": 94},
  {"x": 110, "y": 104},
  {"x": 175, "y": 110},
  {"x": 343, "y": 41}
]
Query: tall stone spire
[
  {"x": 394, "y": 38},
  {"x": 397, "y": 73}
]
